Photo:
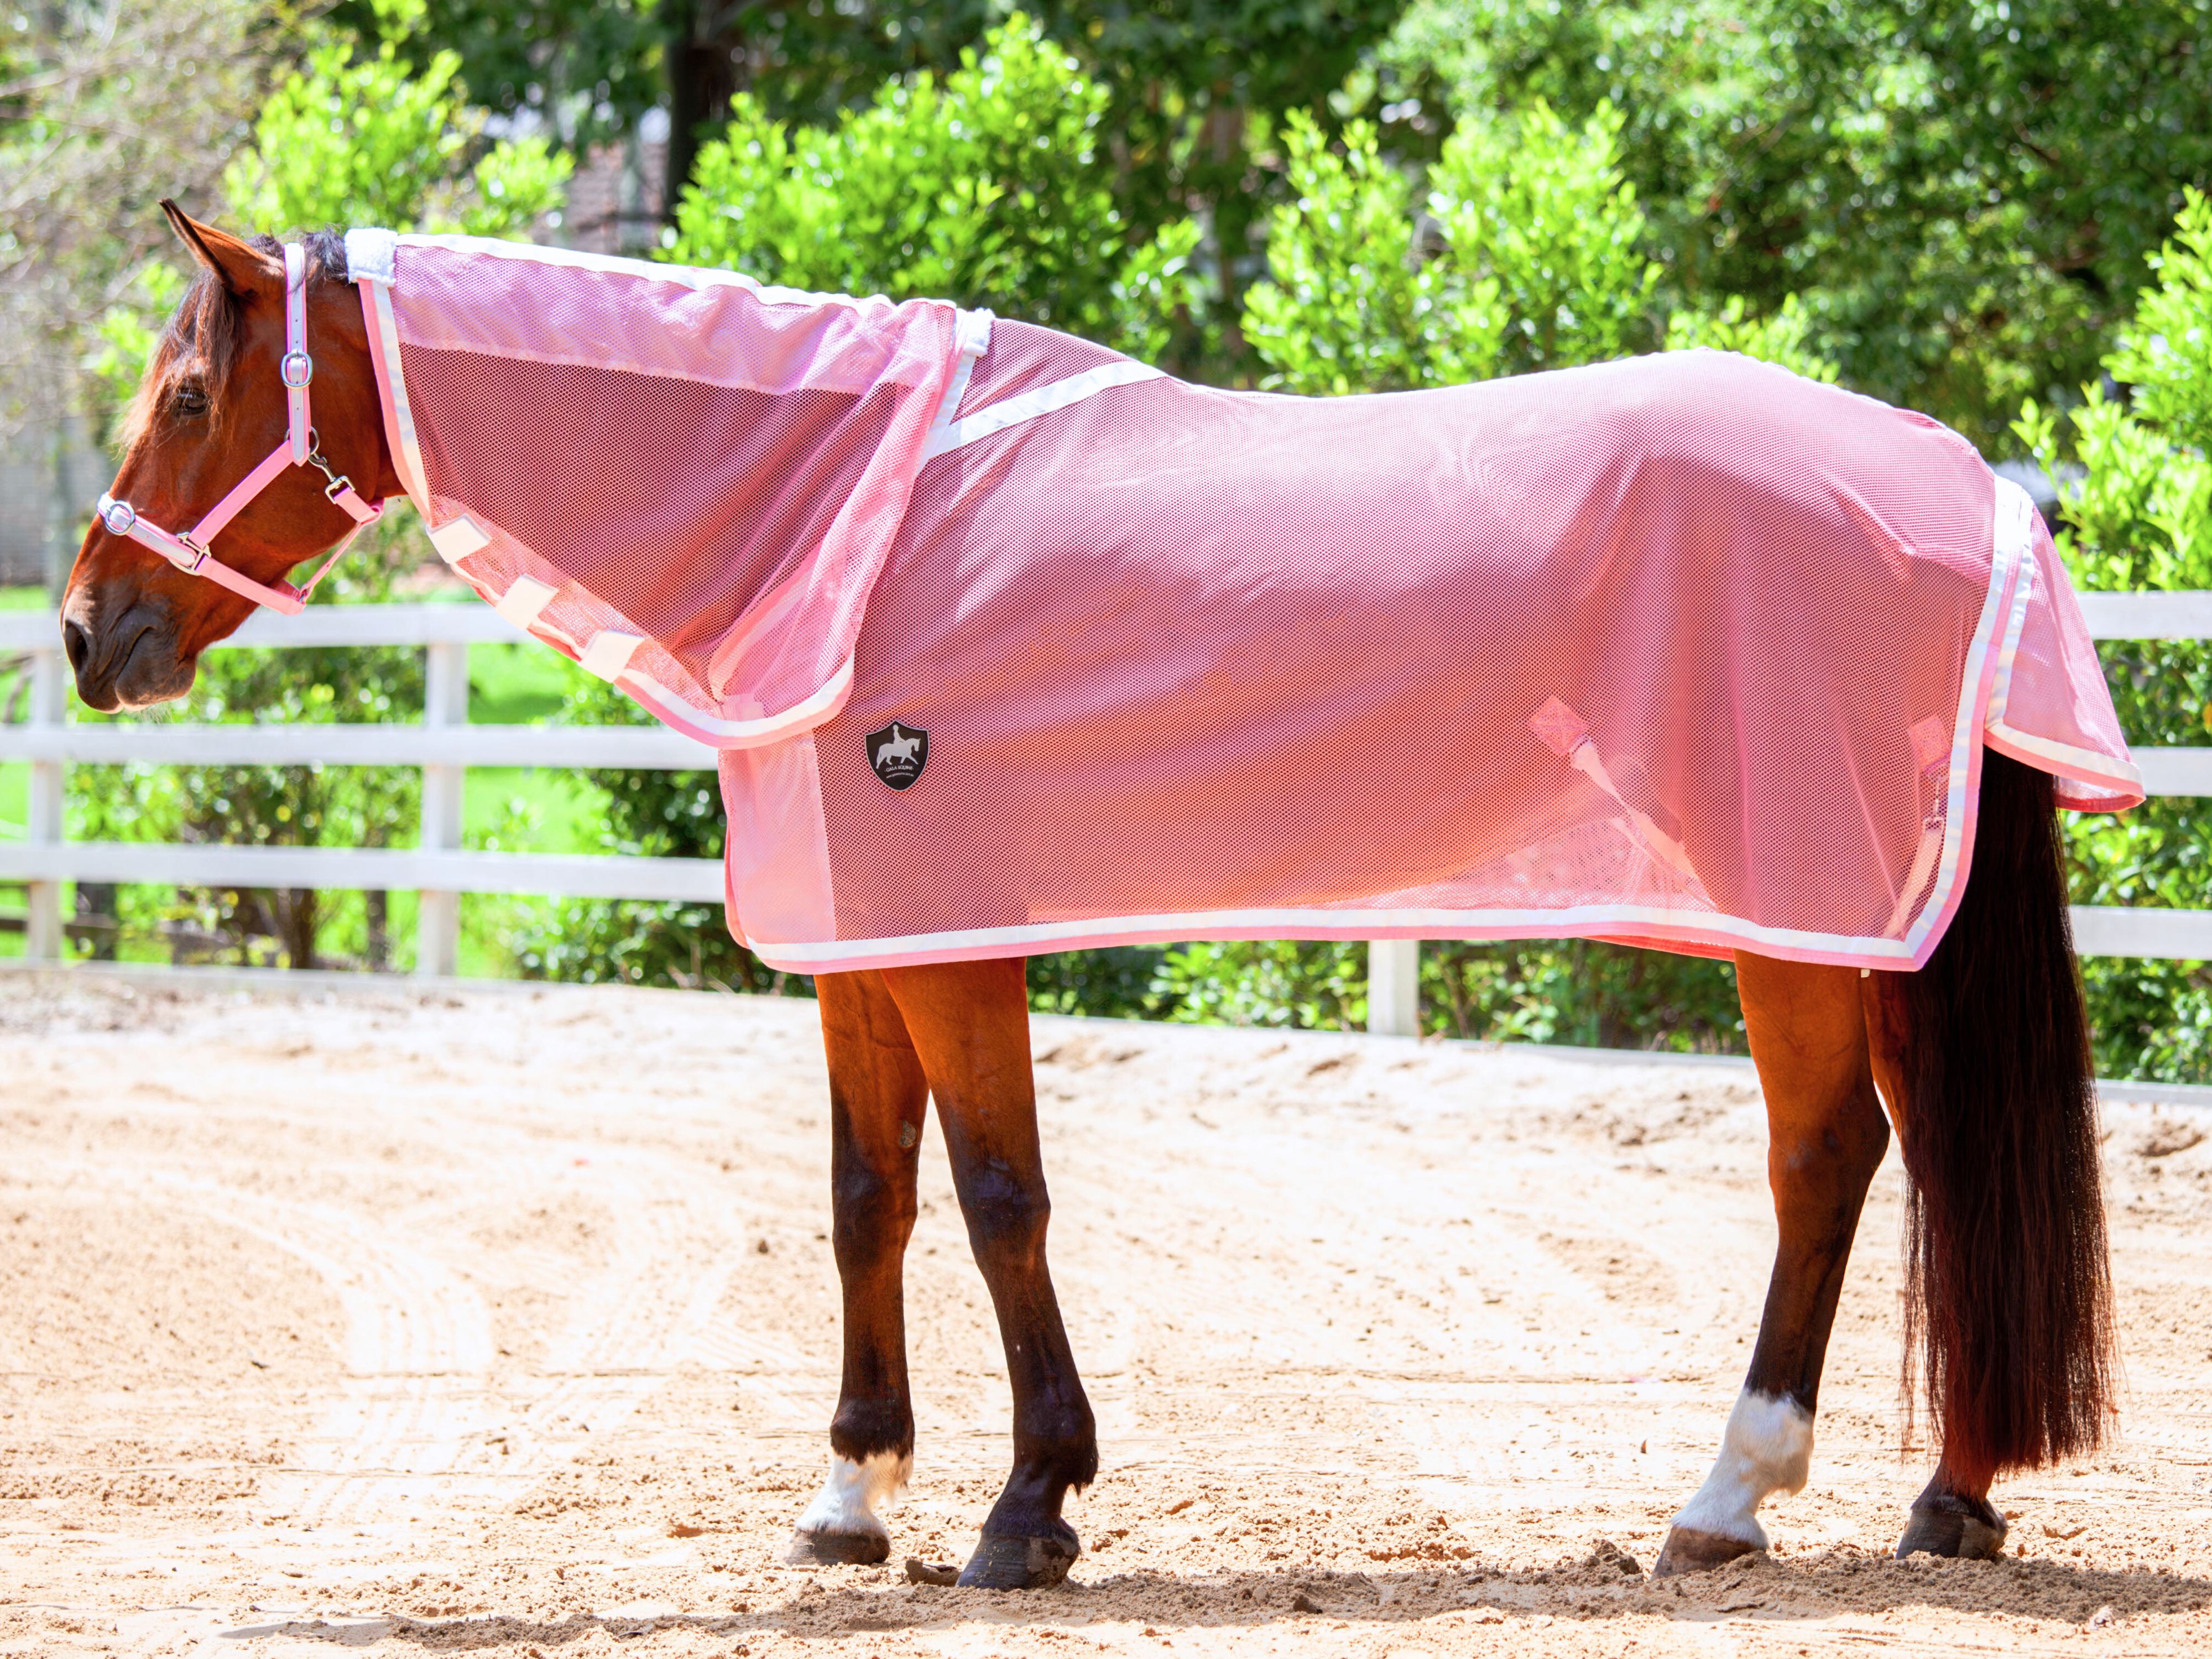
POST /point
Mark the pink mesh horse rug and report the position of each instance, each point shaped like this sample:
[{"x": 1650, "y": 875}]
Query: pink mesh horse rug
[{"x": 1009, "y": 644}]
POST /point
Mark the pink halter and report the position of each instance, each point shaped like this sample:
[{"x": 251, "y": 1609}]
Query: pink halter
[{"x": 189, "y": 551}]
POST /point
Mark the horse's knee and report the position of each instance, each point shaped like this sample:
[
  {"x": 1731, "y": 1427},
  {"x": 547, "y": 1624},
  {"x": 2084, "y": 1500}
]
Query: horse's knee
[
  {"x": 1008, "y": 1217},
  {"x": 873, "y": 1214}
]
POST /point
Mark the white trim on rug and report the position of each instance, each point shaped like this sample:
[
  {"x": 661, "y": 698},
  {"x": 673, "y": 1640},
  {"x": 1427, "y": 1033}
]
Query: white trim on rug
[{"x": 1039, "y": 400}]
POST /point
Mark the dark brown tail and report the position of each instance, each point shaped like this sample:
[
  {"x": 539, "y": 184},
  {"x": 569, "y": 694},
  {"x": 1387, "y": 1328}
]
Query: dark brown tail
[{"x": 2008, "y": 1302}]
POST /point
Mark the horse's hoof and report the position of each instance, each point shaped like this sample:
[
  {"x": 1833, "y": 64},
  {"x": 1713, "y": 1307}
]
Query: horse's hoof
[
  {"x": 1001, "y": 1562},
  {"x": 1962, "y": 1528},
  {"x": 837, "y": 1549},
  {"x": 1688, "y": 1549}
]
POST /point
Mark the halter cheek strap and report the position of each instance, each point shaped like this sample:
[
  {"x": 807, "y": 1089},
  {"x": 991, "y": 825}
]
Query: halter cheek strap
[{"x": 188, "y": 552}]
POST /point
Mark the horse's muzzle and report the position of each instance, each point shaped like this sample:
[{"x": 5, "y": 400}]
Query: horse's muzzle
[{"x": 130, "y": 664}]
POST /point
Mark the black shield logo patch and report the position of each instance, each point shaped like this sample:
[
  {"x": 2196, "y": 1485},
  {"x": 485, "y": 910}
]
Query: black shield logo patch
[{"x": 898, "y": 752}]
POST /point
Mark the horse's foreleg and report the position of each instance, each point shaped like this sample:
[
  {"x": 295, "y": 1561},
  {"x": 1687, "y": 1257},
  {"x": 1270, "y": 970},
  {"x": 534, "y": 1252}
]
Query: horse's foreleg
[
  {"x": 970, "y": 1025},
  {"x": 877, "y": 1100},
  {"x": 1826, "y": 1135}
]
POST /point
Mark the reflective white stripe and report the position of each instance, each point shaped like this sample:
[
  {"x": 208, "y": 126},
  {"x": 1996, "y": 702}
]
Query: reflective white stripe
[
  {"x": 2007, "y": 555},
  {"x": 971, "y": 342},
  {"x": 406, "y": 451},
  {"x": 2076, "y": 765},
  {"x": 2023, "y": 594},
  {"x": 693, "y": 721},
  {"x": 609, "y": 653},
  {"x": 2015, "y": 528},
  {"x": 521, "y": 603},
  {"x": 1028, "y": 405},
  {"x": 459, "y": 539},
  {"x": 1583, "y": 921},
  {"x": 650, "y": 270},
  {"x": 299, "y": 415}
]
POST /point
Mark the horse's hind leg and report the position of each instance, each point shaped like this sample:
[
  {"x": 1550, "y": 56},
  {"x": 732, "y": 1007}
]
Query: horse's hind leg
[
  {"x": 970, "y": 1026},
  {"x": 1952, "y": 1516},
  {"x": 877, "y": 1100},
  {"x": 1826, "y": 1135}
]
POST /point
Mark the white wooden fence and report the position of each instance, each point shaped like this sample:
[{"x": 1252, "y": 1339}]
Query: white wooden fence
[{"x": 444, "y": 744}]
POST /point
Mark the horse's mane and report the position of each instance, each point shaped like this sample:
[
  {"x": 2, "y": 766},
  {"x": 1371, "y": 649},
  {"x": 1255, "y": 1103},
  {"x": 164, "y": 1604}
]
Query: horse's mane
[{"x": 204, "y": 331}]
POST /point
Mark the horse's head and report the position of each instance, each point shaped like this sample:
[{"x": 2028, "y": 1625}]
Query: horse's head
[{"x": 213, "y": 404}]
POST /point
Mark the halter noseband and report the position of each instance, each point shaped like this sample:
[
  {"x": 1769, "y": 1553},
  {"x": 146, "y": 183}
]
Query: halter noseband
[{"x": 189, "y": 551}]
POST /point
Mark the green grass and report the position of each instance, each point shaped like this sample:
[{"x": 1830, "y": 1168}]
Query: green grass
[
  {"x": 521, "y": 809},
  {"x": 524, "y": 809},
  {"x": 21, "y": 599},
  {"x": 517, "y": 684}
]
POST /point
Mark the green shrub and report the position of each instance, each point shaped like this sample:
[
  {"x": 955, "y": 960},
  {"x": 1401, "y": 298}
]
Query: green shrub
[
  {"x": 988, "y": 187},
  {"x": 1529, "y": 258},
  {"x": 2138, "y": 513}
]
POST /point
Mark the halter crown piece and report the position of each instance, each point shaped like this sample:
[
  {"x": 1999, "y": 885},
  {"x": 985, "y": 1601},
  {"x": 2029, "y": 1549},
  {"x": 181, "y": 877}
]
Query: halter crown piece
[{"x": 189, "y": 551}]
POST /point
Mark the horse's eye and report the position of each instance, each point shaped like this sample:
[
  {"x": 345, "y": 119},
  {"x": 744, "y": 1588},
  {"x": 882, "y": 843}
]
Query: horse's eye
[{"x": 190, "y": 402}]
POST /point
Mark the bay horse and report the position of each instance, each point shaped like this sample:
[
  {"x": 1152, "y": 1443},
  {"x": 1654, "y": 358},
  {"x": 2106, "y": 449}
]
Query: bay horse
[{"x": 1980, "y": 1058}]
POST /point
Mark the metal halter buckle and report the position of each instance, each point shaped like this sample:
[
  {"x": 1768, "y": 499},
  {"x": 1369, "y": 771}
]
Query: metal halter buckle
[
  {"x": 119, "y": 517},
  {"x": 338, "y": 481},
  {"x": 295, "y": 369}
]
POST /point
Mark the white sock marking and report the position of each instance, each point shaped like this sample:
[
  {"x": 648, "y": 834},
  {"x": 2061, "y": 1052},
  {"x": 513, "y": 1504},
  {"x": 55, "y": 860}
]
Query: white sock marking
[
  {"x": 848, "y": 1500},
  {"x": 1766, "y": 1448}
]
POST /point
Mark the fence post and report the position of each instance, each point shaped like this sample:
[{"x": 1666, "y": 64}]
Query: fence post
[
  {"x": 1394, "y": 987},
  {"x": 42, "y": 935},
  {"x": 438, "y": 916}
]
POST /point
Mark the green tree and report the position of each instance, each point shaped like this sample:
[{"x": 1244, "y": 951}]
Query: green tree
[
  {"x": 1530, "y": 255},
  {"x": 1195, "y": 89},
  {"x": 1962, "y": 192},
  {"x": 355, "y": 140},
  {"x": 988, "y": 188},
  {"x": 104, "y": 109},
  {"x": 1351, "y": 303}
]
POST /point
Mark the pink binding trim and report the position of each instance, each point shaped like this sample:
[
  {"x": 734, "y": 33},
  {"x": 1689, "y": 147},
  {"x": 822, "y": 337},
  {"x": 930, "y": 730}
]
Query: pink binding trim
[{"x": 189, "y": 551}]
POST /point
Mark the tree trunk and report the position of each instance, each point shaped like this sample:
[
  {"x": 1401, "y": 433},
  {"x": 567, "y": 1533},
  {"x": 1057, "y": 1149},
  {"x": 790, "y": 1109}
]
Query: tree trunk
[
  {"x": 95, "y": 902},
  {"x": 377, "y": 905},
  {"x": 297, "y": 910},
  {"x": 704, "y": 55}
]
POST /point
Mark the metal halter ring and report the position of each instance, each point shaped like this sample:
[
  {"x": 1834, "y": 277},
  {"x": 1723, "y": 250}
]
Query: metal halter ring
[
  {"x": 296, "y": 370},
  {"x": 119, "y": 517}
]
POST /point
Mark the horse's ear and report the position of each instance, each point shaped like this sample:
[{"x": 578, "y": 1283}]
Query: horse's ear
[{"x": 239, "y": 266}]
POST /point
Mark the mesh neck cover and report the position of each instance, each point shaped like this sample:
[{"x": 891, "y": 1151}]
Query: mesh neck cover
[{"x": 1011, "y": 645}]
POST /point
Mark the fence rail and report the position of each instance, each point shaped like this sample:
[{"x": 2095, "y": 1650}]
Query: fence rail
[{"x": 445, "y": 745}]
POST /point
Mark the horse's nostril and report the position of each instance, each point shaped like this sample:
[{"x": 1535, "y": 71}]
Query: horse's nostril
[{"x": 78, "y": 644}]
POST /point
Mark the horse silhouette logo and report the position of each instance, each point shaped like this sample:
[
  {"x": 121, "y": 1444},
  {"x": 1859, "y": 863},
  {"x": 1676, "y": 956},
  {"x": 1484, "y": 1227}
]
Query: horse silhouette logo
[{"x": 898, "y": 753}]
